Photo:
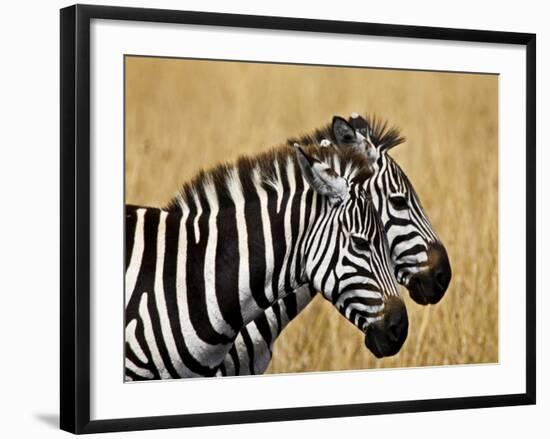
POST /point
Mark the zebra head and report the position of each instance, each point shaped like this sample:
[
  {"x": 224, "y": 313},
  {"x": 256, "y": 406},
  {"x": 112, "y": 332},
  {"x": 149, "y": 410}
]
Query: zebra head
[
  {"x": 420, "y": 261},
  {"x": 347, "y": 258}
]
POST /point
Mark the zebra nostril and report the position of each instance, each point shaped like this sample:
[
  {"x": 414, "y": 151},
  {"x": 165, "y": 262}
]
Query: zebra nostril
[
  {"x": 441, "y": 268},
  {"x": 393, "y": 332},
  {"x": 442, "y": 279},
  {"x": 397, "y": 324}
]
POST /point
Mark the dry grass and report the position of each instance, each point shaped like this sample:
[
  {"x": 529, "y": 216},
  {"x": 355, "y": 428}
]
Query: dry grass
[{"x": 184, "y": 115}]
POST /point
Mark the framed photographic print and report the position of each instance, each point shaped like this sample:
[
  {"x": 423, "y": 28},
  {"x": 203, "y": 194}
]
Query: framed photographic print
[{"x": 268, "y": 218}]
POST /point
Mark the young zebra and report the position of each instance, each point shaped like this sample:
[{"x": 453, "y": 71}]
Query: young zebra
[
  {"x": 419, "y": 259},
  {"x": 236, "y": 240}
]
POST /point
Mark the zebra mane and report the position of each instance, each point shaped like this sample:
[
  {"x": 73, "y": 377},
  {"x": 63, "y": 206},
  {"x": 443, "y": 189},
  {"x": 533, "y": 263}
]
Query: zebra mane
[
  {"x": 268, "y": 166},
  {"x": 379, "y": 130}
]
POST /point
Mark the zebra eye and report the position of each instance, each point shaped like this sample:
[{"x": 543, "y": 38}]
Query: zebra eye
[
  {"x": 399, "y": 202},
  {"x": 360, "y": 244}
]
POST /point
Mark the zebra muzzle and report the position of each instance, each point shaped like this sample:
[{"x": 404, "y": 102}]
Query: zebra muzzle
[
  {"x": 386, "y": 336},
  {"x": 429, "y": 287}
]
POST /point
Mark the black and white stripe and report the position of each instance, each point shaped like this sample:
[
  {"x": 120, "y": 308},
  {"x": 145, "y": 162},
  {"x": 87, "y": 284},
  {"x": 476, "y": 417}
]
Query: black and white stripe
[
  {"x": 236, "y": 241},
  {"x": 253, "y": 347}
]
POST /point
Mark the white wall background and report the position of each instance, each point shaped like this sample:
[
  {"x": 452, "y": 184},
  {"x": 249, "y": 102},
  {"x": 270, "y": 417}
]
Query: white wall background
[{"x": 29, "y": 177}]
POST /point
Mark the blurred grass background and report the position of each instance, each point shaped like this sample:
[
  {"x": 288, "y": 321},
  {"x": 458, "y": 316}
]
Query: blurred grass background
[{"x": 184, "y": 115}]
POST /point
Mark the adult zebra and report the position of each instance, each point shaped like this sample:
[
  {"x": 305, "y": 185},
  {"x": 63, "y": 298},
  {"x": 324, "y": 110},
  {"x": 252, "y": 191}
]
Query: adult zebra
[
  {"x": 236, "y": 240},
  {"x": 419, "y": 259}
]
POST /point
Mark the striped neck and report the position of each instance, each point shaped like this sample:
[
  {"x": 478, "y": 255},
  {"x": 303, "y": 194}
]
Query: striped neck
[{"x": 247, "y": 250}]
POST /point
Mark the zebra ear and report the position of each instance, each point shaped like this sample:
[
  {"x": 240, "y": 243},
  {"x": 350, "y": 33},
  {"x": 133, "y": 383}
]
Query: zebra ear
[
  {"x": 359, "y": 123},
  {"x": 351, "y": 134},
  {"x": 385, "y": 142},
  {"x": 343, "y": 133},
  {"x": 322, "y": 178}
]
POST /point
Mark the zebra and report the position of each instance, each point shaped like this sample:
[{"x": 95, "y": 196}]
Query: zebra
[
  {"x": 419, "y": 258},
  {"x": 421, "y": 262},
  {"x": 236, "y": 239}
]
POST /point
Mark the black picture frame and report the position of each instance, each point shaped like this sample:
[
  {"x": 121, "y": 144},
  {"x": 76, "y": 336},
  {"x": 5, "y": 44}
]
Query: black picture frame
[{"x": 75, "y": 217}]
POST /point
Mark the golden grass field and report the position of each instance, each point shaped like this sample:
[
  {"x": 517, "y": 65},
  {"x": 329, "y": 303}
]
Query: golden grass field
[{"x": 184, "y": 115}]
